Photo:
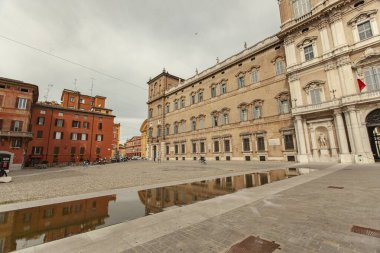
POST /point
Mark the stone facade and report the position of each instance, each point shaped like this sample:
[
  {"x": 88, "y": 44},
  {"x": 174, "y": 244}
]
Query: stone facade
[
  {"x": 238, "y": 109},
  {"x": 144, "y": 138},
  {"x": 329, "y": 45}
]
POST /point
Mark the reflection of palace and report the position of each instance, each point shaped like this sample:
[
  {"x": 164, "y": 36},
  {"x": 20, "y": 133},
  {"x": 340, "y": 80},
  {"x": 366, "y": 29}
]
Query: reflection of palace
[
  {"x": 52, "y": 222},
  {"x": 159, "y": 199}
]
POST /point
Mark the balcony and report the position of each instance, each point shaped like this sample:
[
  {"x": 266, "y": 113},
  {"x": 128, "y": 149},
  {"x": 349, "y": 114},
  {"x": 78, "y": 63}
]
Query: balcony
[
  {"x": 317, "y": 107},
  {"x": 364, "y": 97},
  {"x": 16, "y": 134}
]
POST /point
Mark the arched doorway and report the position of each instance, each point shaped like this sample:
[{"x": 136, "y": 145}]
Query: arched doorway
[{"x": 373, "y": 126}]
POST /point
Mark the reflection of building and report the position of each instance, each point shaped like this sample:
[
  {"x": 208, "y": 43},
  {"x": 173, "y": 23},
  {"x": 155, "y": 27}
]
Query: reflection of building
[
  {"x": 80, "y": 128},
  {"x": 144, "y": 138},
  {"x": 158, "y": 199},
  {"x": 328, "y": 47},
  {"x": 16, "y": 99},
  {"x": 133, "y": 146},
  {"x": 52, "y": 222},
  {"x": 116, "y": 140}
]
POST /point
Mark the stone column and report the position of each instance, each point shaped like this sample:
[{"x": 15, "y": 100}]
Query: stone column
[
  {"x": 356, "y": 134},
  {"x": 302, "y": 156},
  {"x": 333, "y": 147},
  {"x": 350, "y": 134},
  {"x": 314, "y": 145},
  {"x": 324, "y": 36},
  {"x": 345, "y": 156},
  {"x": 306, "y": 138}
]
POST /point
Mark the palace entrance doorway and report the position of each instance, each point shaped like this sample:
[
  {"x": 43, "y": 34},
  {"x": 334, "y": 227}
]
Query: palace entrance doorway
[{"x": 373, "y": 126}]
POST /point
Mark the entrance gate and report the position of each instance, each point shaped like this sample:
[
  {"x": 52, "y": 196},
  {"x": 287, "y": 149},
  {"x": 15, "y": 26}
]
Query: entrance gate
[{"x": 373, "y": 126}]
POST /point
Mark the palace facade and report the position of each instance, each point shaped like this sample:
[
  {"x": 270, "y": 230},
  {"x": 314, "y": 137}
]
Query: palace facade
[{"x": 293, "y": 96}]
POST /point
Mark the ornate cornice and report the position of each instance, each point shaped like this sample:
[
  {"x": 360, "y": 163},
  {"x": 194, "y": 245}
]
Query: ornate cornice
[
  {"x": 342, "y": 61},
  {"x": 330, "y": 66}
]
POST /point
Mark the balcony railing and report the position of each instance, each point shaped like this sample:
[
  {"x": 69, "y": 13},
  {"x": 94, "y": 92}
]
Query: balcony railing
[
  {"x": 16, "y": 134},
  {"x": 300, "y": 19}
]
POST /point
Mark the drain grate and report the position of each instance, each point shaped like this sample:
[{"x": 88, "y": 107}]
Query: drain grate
[
  {"x": 336, "y": 187},
  {"x": 366, "y": 231},
  {"x": 253, "y": 244}
]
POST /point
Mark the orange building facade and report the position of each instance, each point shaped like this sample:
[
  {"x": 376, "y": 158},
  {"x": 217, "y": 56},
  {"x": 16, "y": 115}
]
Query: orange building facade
[
  {"x": 133, "y": 146},
  {"x": 71, "y": 132},
  {"x": 16, "y": 99}
]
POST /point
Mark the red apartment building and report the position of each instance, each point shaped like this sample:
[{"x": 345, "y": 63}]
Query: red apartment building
[
  {"x": 16, "y": 99},
  {"x": 133, "y": 146},
  {"x": 78, "y": 129}
]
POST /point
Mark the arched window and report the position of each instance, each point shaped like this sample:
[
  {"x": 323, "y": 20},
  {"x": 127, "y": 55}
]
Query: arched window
[
  {"x": 200, "y": 96},
  {"x": 150, "y": 132},
  {"x": 301, "y": 7},
  {"x": 150, "y": 113},
  {"x": 213, "y": 90}
]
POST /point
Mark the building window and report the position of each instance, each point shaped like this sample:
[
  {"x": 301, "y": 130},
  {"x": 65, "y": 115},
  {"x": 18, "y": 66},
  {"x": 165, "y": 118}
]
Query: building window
[
  {"x": 60, "y": 114},
  {"x": 27, "y": 218},
  {"x": 289, "y": 144},
  {"x": 223, "y": 88},
  {"x": 372, "y": 78},
  {"x": 301, "y": 7},
  {"x": 183, "y": 148},
  {"x": 201, "y": 122},
  {"x": 167, "y": 108},
  {"x": 284, "y": 107},
  {"x": 76, "y": 124},
  {"x": 182, "y": 102},
  {"x": 159, "y": 110},
  {"x": 39, "y": 134},
  {"x": 175, "y": 129},
  {"x": 74, "y": 136},
  {"x": 193, "y": 125},
  {"x": 41, "y": 121},
  {"x": 257, "y": 112},
  {"x": 315, "y": 96},
  {"x": 214, "y": 120},
  {"x": 58, "y": 135},
  {"x": 246, "y": 145},
  {"x": 86, "y": 125},
  {"x": 365, "y": 31},
  {"x": 260, "y": 144},
  {"x": 227, "y": 147},
  {"x": 167, "y": 130},
  {"x": 243, "y": 114},
  {"x": 16, "y": 143},
  {"x": 16, "y": 126},
  {"x": 99, "y": 137},
  {"x": 213, "y": 91},
  {"x": 22, "y": 103},
  {"x": 48, "y": 213},
  {"x": 280, "y": 66},
  {"x": 175, "y": 105},
  {"x": 72, "y": 99},
  {"x": 192, "y": 99},
  {"x": 200, "y": 97},
  {"x": 225, "y": 119},
  {"x": 167, "y": 150},
  {"x": 183, "y": 126},
  {"x": 82, "y": 101},
  {"x": 100, "y": 125},
  {"x": 255, "y": 76},
  {"x": 150, "y": 113},
  {"x": 309, "y": 52},
  {"x": 202, "y": 147},
  {"x": 84, "y": 137},
  {"x": 73, "y": 151},
  {"x": 240, "y": 81},
  {"x": 158, "y": 131},
  {"x": 37, "y": 150},
  {"x": 176, "y": 149},
  {"x": 55, "y": 154},
  {"x": 194, "y": 148},
  {"x": 59, "y": 122},
  {"x": 216, "y": 146}
]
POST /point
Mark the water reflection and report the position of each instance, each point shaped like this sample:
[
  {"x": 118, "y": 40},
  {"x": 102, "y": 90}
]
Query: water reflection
[{"x": 32, "y": 226}]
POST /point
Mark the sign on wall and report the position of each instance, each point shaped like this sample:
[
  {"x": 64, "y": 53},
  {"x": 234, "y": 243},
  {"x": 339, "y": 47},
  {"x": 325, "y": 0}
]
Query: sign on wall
[{"x": 274, "y": 142}]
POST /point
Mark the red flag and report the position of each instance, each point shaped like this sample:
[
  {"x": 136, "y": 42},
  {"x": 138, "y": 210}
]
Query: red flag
[{"x": 361, "y": 85}]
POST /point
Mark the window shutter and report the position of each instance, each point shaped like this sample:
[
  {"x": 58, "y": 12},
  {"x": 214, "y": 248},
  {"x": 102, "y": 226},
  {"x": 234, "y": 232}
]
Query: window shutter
[
  {"x": 28, "y": 104},
  {"x": 63, "y": 123},
  {"x": 56, "y": 122},
  {"x": 17, "y": 99},
  {"x": 20, "y": 126},
  {"x": 61, "y": 135},
  {"x": 1, "y": 100},
  {"x": 1, "y": 124},
  {"x": 71, "y": 136}
]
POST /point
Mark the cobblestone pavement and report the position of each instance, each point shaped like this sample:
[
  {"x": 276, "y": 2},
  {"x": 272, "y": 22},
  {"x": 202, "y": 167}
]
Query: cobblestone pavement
[{"x": 33, "y": 184}]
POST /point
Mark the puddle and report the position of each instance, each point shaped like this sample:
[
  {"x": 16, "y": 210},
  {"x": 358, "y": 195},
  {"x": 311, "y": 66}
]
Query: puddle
[{"x": 29, "y": 227}]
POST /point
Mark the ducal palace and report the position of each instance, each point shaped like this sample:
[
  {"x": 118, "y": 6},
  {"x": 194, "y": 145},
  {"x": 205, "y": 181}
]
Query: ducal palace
[{"x": 309, "y": 93}]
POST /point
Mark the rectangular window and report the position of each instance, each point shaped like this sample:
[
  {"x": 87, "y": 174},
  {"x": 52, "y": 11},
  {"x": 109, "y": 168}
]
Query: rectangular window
[
  {"x": 260, "y": 144},
  {"x": 48, "y": 213},
  {"x": 227, "y": 147},
  {"x": 100, "y": 125},
  {"x": 81, "y": 151},
  {"x": 82, "y": 101},
  {"x": 246, "y": 145},
  {"x": 39, "y": 134},
  {"x": 99, "y": 137},
  {"x": 257, "y": 112},
  {"x": 72, "y": 99},
  {"x": 284, "y": 107},
  {"x": 280, "y": 67},
  {"x": 365, "y": 30},
  {"x": 216, "y": 146},
  {"x": 37, "y": 150},
  {"x": 202, "y": 148},
  {"x": 243, "y": 115},
  {"x": 150, "y": 113},
  {"x": 201, "y": 123},
  {"x": 192, "y": 99},
  {"x": 182, "y": 103},
  {"x": 214, "y": 121},
  {"x": 158, "y": 131},
  {"x": 183, "y": 148},
  {"x": 16, "y": 126},
  {"x": 176, "y": 149},
  {"x": 194, "y": 145},
  {"x": 3, "y": 218},
  {"x": 289, "y": 144},
  {"x": 167, "y": 150},
  {"x": 58, "y": 135},
  {"x": 74, "y": 136},
  {"x": 315, "y": 96},
  {"x": 76, "y": 124},
  {"x": 193, "y": 125},
  {"x": 213, "y": 92},
  {"x": 16, "y": 143},
  {"x": 255, "y": 76},
  {"x": 59, "y": 122},
  {"x": 223, "y": 89},
  {"x": 41, "y": 121},
  {"x": 167, "y": 108},
  {"x": 200, "y": 96},
  {"x": 309, "y": 53},
  {"x": 372, "y": 78},
  {"x": 301, "y": 7},
  {"x": 240, "y": 81},
  {"x": 21, "y": 103},
  {"x": 86, "y": 125}
]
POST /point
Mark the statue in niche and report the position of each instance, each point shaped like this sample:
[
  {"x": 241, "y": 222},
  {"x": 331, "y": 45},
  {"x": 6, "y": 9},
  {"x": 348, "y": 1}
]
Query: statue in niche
[{"x": 322, "y": 140}]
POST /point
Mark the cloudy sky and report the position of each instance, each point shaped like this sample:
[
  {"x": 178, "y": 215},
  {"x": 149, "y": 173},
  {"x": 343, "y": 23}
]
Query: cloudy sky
[{"x": 127, "y": 41}]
